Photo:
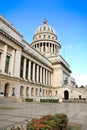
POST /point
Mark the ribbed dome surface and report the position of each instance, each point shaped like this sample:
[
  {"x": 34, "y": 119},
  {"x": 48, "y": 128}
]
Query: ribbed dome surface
[
  {"x": 45, "y": 28},
  {"x": 45, "y": 32}
]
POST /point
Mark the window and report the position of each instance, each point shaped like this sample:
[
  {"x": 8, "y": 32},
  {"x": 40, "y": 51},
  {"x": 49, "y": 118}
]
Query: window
[
  {"x": 39, "y": 36},
  {"x": 44, "y": 36},
  {"x": 7, "y": 64},
  {"x": 53, "y": 38},
  {"x": 49, "y": 36}
]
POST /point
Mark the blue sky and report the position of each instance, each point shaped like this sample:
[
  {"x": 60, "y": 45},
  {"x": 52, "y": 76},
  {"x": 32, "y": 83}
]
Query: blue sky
[{"x": 67, "y": 17}]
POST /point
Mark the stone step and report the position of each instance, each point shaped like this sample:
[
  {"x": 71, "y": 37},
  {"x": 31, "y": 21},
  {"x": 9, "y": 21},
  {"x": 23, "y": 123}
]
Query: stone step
[{"x": 9, "y": 99}]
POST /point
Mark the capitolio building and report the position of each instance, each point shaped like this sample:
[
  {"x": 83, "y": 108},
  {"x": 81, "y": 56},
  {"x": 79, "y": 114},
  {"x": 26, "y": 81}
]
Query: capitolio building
[{"x": 35, "y": 70}]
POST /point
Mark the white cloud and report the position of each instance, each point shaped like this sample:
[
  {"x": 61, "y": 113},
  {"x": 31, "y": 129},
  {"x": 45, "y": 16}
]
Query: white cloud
[{"x": 81, "y": 79}]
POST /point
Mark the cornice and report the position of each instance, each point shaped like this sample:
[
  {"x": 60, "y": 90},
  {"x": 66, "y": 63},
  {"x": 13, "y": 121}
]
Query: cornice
[
  {"x": 11, "y": 38},
  {"x": 6, "y": 22},
  {"x": 50, "y": 40},
  {"x": 61, "y": 63},
  {"x": 41, "y": 59}
]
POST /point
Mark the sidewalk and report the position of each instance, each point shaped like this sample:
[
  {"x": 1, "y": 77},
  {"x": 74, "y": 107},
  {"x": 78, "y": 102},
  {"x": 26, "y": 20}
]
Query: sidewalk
[{"x": 76, "y": 112}]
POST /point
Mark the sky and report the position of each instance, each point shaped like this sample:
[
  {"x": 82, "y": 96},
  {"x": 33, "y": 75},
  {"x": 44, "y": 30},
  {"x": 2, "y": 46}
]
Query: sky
[{"x": 67, "y": 17}]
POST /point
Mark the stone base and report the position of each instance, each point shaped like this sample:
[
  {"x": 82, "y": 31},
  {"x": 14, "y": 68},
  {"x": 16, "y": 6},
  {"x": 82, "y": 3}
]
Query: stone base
[{"x": 37, "y": 99}]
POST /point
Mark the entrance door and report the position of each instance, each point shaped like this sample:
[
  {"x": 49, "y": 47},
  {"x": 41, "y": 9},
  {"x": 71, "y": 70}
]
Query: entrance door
[
  {"x": 6, "y": 90},
  {"x": 66, "y": 95}
]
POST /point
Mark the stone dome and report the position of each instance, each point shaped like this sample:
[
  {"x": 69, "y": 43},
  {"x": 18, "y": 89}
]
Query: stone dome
[
  {"x": 45, "y": 40},
  {"x": 45, "y": 31}
]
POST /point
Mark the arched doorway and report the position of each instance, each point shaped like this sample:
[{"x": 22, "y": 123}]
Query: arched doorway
[
  {"x": 7, "y": 90},
  {"x": 66, "y": 95},
  {"x": 22, "y": 91}
]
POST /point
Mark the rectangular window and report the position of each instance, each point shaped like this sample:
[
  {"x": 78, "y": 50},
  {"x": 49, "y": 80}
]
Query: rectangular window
[{"x": 7, "y": 64}]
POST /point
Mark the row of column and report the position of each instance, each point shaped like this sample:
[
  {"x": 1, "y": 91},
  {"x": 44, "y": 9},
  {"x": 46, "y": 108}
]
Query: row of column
[
  {"x": 46, "y": 47},
  {"x": 36, "y": 73},
  {"x": 31, "y": 71}
]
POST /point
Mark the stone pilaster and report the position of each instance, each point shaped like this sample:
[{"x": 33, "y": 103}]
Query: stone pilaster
[
  {"x": 17, "y": 63},
  {"x": 24, "y": 68},
  {"x": 11, "y": 64},
  {"x": 37, "y": 78},
  {"x": 46, "y": 77},
  {"x": 40, "y": 74},
  {"x": 3, "y": 58},
  {"x": 43, "y": 76},
  {"x": 34, "y": 72},
  {"x": 29, "y": 70}
]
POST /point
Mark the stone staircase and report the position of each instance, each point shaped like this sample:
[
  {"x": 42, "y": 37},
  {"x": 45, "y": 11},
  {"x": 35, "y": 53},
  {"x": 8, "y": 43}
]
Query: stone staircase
[{"x": 9, "y": 99}]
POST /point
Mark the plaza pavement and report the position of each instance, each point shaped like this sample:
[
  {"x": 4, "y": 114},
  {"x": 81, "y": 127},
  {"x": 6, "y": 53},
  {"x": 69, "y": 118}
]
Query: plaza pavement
[{"x": 77, "y": 112}]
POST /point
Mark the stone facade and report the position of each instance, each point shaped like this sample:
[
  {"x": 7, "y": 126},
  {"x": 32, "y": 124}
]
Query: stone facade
[{"x": 35, "y": 70}]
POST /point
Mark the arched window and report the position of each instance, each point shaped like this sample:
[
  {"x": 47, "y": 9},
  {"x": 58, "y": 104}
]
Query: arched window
[
  {"x": 27, "y": 91},
  {"x": 22, "y": 91},
  {"x": 7, "y": 90},
  {"x": 32, "y": 91},
  {"x": 36, "y": 91}
]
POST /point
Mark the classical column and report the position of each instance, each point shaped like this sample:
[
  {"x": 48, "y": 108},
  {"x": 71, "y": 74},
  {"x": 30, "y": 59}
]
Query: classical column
[
  {"x": 37, "y": 78},
  {"x": 33, "y": 71},
  {"x": 24, "y": 68},
  {"x": 17, "y": 63},
  {"x": 43, "y": 76},
  {"x": 11, "y": 64},
  {"x": 49, "y": 77},
  {"x": 3, "y": 58},
  {"x": 40, "y": 74},
  {"x": 29, "y": 70},
  {"x": 46, "y": 77},
  {"x": 46, "y": 47}
]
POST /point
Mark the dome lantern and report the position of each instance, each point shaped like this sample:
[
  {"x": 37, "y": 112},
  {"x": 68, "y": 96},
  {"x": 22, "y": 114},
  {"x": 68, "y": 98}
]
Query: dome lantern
[{"x": 44, "y": 21}]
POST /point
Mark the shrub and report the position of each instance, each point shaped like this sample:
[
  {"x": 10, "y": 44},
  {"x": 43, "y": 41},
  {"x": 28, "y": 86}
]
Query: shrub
[
  {"x": 49, "y": 122},
  {"x": 29, "y": 99},
  {"x": 49, "y": 100}
]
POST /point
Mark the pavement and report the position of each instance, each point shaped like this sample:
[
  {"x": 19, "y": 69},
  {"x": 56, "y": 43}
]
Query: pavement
[{"x": 76, "y": 112}]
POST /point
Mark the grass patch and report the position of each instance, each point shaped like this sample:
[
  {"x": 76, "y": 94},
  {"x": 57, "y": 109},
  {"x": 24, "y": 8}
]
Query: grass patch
[
  {"x": 74, "y": 127},
  {"x": 7, "y": 108}
]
